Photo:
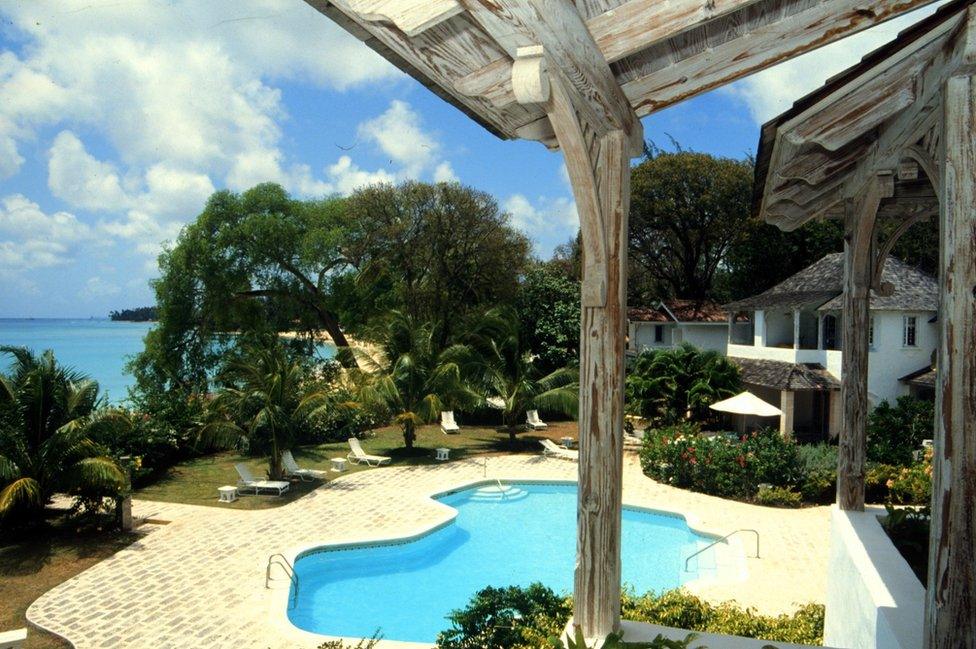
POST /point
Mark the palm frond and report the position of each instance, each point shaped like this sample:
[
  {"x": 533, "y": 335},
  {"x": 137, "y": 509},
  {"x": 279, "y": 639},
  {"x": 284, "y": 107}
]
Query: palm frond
[
  {"x": 98, "y": 474},
  {"x": 25, "y": 492}
]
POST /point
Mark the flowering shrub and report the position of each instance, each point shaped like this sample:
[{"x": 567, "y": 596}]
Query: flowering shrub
[
  {"x": 723, "y": 464},
  {"x": 778, "y": 496},
  {"x": 912, "y": 485}
]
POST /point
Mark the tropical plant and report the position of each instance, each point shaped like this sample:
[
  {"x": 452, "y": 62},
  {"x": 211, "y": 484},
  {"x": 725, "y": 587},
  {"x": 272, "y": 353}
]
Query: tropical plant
[
  {"x": 667, "y": 386},
  {"x": 507, "y": 618},
  {"x": 266, "y": 399},
  {"x": 616, "y": 641},
  {"x": 895, "y": 432},
  {"x": 410, "y": 376},
  {"x": 48, "y": 414},
  {"x": 499, "y": 366}
]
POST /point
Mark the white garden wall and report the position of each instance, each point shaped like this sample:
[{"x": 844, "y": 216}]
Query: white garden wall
[{"x": 874, "y": 600}]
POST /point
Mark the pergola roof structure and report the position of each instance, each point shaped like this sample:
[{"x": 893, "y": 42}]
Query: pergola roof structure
[
  {"x": 826, "y": 147},
  {"x": 659, "y": 52}
]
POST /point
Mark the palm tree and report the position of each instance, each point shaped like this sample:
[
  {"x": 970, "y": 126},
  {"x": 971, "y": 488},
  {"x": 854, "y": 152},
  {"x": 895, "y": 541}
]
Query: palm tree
[
  {"x": 410, "y": 376},
  {"x": 671, "y": 385},
  {"x": 48, "y": 414},
  {"x": 266, "y": 399},
  {"x": 495, "y": 359}
]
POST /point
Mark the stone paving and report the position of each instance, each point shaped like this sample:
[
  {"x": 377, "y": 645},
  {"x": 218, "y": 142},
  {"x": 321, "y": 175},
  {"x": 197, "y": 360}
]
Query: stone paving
[{"x": 198, "y": 581}]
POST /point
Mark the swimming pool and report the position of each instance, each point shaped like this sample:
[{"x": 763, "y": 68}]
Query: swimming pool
[{"x": 522, "y": 533}]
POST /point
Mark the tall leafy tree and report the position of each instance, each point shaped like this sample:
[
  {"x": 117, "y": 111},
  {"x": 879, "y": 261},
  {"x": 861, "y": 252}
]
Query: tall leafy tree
[
  {"x": 48, "y": 414},
  {"x": 548, "y": 308},
  {"x": 258, "y": 261},
  {"x": 499, "y": 365},
  {"x": 411, "y": 376},
  {"x": 438, "y": 253},
  {"x": 669, "y": 385},
  {"x": 686, "y": 210}
]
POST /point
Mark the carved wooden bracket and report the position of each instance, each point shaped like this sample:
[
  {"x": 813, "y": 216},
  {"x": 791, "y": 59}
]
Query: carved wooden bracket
[{"x": 530, "y": 76}]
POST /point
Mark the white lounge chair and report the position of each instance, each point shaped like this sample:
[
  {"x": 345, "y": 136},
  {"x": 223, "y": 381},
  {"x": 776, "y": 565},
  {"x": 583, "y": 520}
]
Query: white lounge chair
[
  {"x": 448, "y": 425},
  {"x": 248, "y": 481},
  {"x": 292, "y": 468},
  {"x": 533, "y": 421},
  {"x": 358, "y": 456},
  {"x": 550, "y": 449}
]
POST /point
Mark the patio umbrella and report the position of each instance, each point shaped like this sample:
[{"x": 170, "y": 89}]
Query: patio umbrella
[{"x": 746, "y": 403}]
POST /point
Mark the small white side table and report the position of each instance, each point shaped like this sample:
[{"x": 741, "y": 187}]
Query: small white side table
[
  {"x": 228, "y": 494},
  {"x": 338, "y": 464},
  {"x": 442, "y": 454},
  {"x": 567, "y": 442}
]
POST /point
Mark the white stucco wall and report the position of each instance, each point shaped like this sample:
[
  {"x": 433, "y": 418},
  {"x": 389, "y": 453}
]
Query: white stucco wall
[
  {"x": 642, "y": 335},
  {"x": 889, "y": 360},
  {"x": 874, "y": 599},
  {"x": 714, "y": 337}
]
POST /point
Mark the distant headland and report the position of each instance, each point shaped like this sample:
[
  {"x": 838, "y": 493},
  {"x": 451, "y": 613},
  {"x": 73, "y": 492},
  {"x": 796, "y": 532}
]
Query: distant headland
[{"x": 141, "y": 314}]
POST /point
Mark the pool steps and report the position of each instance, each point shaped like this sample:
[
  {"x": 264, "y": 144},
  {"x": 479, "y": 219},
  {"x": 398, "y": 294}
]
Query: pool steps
[{"x": 498, "y": 493}]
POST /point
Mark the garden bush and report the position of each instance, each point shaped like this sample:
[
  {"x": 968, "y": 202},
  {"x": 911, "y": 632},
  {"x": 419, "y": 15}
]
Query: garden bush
[
  {"x": 723, "y": 464},
  {"x": 527, "y": 618},
  {"x": 895, "y": 432},
  {"x": 678, "y": 608},
  {"x": 513, "y": 617},
  {"x": 778, "y": 496},
  {"x": 818, "y": 473},
  {"x": 908, "y": 528}
]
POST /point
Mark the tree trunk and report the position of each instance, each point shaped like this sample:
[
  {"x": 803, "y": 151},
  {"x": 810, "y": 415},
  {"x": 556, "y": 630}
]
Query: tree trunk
[{"x": 408, "y": 435}]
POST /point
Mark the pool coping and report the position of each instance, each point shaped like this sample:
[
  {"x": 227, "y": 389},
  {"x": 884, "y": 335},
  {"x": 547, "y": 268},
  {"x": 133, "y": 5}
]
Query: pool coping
[{"x": 277, "y": 613}]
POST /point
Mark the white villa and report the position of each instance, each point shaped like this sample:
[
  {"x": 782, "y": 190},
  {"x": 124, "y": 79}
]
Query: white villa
[
  {"x": 787, "y": 342},
  {"x": 668, "y": 324}
]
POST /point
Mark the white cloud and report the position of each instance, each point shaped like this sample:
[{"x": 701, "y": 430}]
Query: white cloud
[
  {"x": 97, "y": 287},
  {"x": 548, "y": 221},
  {"x": 31, "y": 238},
  {"x": 444, "y": 173},
  {"x": 78, "y": 178},
  {"x": 184, "y": 83},
  {"x": 772, "y": 91},
  {"x": 399, "y": 135}
]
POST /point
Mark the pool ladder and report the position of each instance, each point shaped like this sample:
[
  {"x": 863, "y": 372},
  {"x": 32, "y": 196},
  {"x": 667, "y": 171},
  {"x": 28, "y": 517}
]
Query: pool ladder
[
  {"x": 278, "y": 559},
  {"x": 717, "y": 541}
]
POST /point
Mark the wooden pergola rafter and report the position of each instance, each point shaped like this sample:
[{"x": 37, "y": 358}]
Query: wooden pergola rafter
[
  {"x": 895, "y": 138},
  {"x": 577, "y": 76}
]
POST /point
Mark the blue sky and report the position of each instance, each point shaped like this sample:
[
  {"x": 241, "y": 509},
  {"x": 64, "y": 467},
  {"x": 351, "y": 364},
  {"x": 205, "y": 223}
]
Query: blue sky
[{"x": 118, "y": 119}]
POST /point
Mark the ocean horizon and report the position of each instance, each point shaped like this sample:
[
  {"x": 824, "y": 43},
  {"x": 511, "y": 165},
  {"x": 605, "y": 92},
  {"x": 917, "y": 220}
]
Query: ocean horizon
[{"x": 98, "y": 347}]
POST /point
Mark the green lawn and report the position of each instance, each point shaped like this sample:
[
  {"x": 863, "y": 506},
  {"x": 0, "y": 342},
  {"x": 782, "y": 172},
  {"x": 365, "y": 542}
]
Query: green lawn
[{"x": 195, "y": 482}]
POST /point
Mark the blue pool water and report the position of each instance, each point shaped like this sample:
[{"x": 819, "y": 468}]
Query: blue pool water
[{"x": 527, "y": 535}]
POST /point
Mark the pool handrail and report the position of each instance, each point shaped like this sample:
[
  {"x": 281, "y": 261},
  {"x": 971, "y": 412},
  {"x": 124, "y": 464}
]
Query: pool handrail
[
  {"x": 724, "y": 538},
  {"x": 280, "y": 560}
]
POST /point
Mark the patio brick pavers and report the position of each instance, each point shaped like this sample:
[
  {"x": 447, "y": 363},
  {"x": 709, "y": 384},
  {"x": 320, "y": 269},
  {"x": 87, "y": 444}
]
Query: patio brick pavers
[{"x": 198, "y": 581}]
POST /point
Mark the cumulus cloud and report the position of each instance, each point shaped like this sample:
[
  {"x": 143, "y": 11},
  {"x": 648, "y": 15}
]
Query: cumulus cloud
[
  {"x": 76, "y": 177},
  {"x": 31, "y": 238},
  {"x": 772, "y": 91},
  {"x": 548, "y": 221},
  {"x": 399, "y": 135}
]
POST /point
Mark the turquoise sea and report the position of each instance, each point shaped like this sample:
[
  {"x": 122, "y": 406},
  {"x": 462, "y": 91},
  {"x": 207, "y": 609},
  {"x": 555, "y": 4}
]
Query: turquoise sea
[{"x": 99, "y": 348}]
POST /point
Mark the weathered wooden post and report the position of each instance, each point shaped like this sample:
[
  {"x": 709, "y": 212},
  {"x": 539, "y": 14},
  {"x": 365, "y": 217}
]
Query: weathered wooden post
[
  {"x": 859, "y": 218},
  {"x": 950, "y": 607},
  {"x": 601, "y": 186},
  {"x": 597, "y": 143}
]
